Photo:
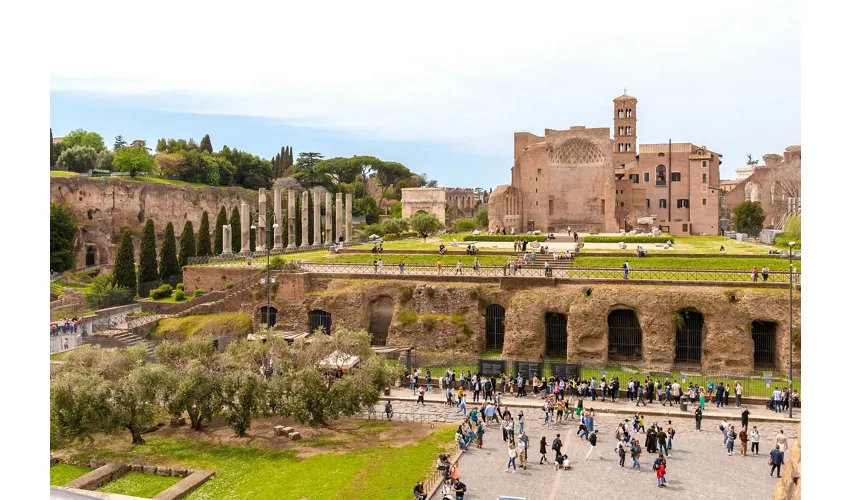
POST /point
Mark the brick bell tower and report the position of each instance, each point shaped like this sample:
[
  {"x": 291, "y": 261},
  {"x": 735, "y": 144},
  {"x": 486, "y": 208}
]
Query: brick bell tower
[{"x": 625, "y": 130}]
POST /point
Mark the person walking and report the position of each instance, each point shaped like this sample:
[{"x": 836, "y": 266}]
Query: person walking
[
  {"x": 557, "y": 444},
  {"x": 754, "y": 440},
  {"x": 781, "y": 441},
  {"x": 421, "y": 398},
  {"x": 592, "y": 441},
  {"x": 698, "y": 418},
  {"x": 460, "y": 489},
  {"x": 476, "y": 266},
  {"x": 380, "y": 266},
  {"x": 512, "y": 453},
  {"x": 621, "y": 450},
  {"x": 670, "y": 433},
  {"x": 521, "y": 449},
  {"x": 739, "y": 391},
  {"x": 662, "y": 441},
  {"x": 636, "y": 454},
  {"x": 401, "y": 267},
  {"x": 461, "y": 404},
  {"x": 640, "y": 400},
  {"x": 730, "y": 439},
  {"x": 660, "y": 468},
  {"x": 458, "y": 268},
  {"x": 777, "y": 458},
  {"x": 743, "y": 437},
  {"x": 626, "y": 270},
  {"x": 388, "y": 408},
  {"x": 479, "y": 434},
  {"x": 543, "y": 450}
]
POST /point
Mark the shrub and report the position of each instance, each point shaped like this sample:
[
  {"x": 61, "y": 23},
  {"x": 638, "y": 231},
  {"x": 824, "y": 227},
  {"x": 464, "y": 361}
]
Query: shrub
[
  {"x": 105, "y": 293},
  {"x": 429, "y": 323},
  {"x": 180, "y": 286},
  {"x": 162, "y": 292},
  {"x": 463, "y": 225},
  {"x": 228, "y": 285},
  {"x": 179, "y": 295},
  {"x": 481, "y": 218},
  {"x": 506, "y": 237},
  {"x": 197, "y": 293},
  {"x": 277, "y": 262},
  {"x": 431, "y": 291},
  {"x": 405, "y": 293},
  {"x": 782, "y": 240},
  {"x": 407, "y": 316},
  {"x": 628, "y": 239}
]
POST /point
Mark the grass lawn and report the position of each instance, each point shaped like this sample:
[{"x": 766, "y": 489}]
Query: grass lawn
[
  {"x": 243, "y": 472},
  {"x": 671, "y": 262},
  {"x": 429, "y": 260},
  {"x": 62, "y": 474},
  {"x": 711, "y": 244},
  {"x": 62, "y": 173},
  {"x": 181, "y": 328},
  {"x": 60, "y": 356},
  {"x": 139, "y": 485}
]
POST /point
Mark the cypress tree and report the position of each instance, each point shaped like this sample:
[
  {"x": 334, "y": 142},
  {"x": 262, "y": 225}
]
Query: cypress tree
[
  {"x": 236, "y": 230},
  {"x": 187, "y": 244},
  {"x": 204, "y": 235},
  {"x": 124, "y": 273},
  {"x": 253, "y": 233},
  {"x": 147, "y": 254},
  {"x": 52, "y": 160},
  {"x": 168, "y": 255},
  {"x": 220, "y": 220},
  {"x": 297, "y": 219},
  {"x": 206, "y": 144}
]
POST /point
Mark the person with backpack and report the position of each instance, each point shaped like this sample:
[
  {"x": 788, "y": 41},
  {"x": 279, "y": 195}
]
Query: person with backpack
[
  {"x": 660, "y": 468},
  {"x": 626, "y": 270},
  {"x": 557, "y": 444},
  {"x": 460, "y": 489},
  {"x": 592, "y": 440},
  {"x": 662, "y": 441},
  {"x": 636, "y": 454}
]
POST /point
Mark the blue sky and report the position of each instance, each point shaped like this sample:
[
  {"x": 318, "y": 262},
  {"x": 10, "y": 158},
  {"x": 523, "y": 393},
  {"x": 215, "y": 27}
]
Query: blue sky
[{"x": 441, "y": 94}]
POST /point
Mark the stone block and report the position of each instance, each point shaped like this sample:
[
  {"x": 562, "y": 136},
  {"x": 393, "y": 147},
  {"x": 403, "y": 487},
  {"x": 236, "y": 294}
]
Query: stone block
[
  {"x": 295, "y": 436},
  {"x": 137, "y": 468},
  {"x": 186, "y": 486},
  {"x": 102, "y": 475},
  {"x": 179, "y": 472},
  {"x": 53, "y": 461},
  {"x": 163, "y": 471},
  {"x": 149, "y": 469},
  {"x": 279, "y": 430}
]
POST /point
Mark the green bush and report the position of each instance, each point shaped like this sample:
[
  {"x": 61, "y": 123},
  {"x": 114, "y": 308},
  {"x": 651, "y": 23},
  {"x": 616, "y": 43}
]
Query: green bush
[
  {"x": 370, "y": 229},
  {"x": 180, "y": 286},
  {"x": 179, "y": 295},
  {"x": 197, "y": 293},
  {"x": 393, "y": 237},
  {"x": 505, "y": 237},
  {"x": 781, "y": 240},
  {"x": 228, "y": 285},
  {"x": 277, "y": 262},
  {"x": 162, "y": 292},
  {"x": 463, "y": 225},
  {"x": 407, "y": 316},
  {"x": 628, "y": 239}
]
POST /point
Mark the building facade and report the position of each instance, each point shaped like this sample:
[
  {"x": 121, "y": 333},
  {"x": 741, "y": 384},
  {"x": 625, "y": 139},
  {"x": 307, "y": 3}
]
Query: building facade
[{"x": 585, "y": 179}]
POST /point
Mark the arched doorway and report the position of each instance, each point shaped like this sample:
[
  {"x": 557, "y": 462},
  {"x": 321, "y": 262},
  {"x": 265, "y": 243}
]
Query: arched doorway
[
  {"x": 556, "y": 335},
  {"x": 91, "y": 255},
  {"x": 689, "y": 337},
  {"x": 764, "y": 344},
  {"x": 625, "y": 338},
  {"x": 319, "y": 319},
  {"x": 268, "y": 316},
  {"x": 380, "y": 319},
  {"x": 495, "y": 327}
]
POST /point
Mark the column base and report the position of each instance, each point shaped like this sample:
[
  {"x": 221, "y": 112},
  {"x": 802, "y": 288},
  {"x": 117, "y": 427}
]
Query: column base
[{"x": 245, "y": 253}]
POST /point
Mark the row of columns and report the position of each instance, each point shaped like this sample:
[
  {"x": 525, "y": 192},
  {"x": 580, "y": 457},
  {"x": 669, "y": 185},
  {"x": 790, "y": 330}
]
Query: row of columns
[{"x": 342, "y": 233}]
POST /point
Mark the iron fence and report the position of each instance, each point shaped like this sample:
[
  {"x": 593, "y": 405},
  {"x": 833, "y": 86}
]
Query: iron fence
[
  {"x": 403, "y": 416},
  {"x": 722, "y": 275},
  {"x": 239, "y": 258}
]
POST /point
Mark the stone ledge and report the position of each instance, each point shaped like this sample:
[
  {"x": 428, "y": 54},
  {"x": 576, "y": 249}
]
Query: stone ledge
[
  {"x": 186, "y": 486},
  {"x": 99, "y": 476}
]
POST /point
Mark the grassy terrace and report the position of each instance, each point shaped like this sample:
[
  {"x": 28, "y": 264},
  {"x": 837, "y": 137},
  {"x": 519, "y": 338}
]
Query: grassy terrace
[
  {"x": 139, "y": 485},
  {"x": 61, "y": 474},
  {"x": 181, "y": 328}
]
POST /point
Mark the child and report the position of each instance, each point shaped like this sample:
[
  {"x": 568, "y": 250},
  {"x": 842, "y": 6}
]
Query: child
[{"x": 660, "y": 469}]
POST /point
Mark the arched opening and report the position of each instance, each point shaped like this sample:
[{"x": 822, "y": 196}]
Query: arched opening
[
  {"x": 495, "y": 327},
  {"x": 380, "y": 319},
  {"x": 319, "y": 319},
  {"x": 689, "y": 337},
  {"x": 91, "y": 255},
  {"x": 625, "y": 339},
  {"x": 660, "y": 175},
  {"x": 764, "y": 344},
  {"x": 268, "y": 315},
  {"x": 556, "y": 335}
]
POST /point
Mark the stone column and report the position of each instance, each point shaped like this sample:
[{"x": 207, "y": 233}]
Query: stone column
[
  {"x": 226, "y": 240},
  {"x": 348, "y": 202},
  {"x": 244, "y": 221},
  {"x": 290, "y": 217},
  {"x": 339, "y": 228},
  {"x": 305, "y": 220},
  {"x": 261, "y": 221},
  {"x": 278, "y": 219},
  {"x": 329, "y": 225},
  {"x": 317, "y": 220}
]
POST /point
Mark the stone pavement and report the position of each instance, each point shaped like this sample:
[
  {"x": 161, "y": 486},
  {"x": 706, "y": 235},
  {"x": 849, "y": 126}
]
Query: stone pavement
[
  {"x": 698, "y": 467},
  {"x": 758, "y": 413}
]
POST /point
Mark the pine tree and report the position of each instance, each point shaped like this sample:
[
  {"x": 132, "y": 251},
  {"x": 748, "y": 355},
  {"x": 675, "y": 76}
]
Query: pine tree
[
  {"x": 187, "y": 244},
  {"x": 204, "y": 235},
  {"x": 206, "y": 144},
  {"x": 124, "y": 273},
  {"x": 147, "y": 254},
  {"x": 235, "y": 230},
  {"x": 220, "y": 220},
  {"x": 168, "y": 254}
]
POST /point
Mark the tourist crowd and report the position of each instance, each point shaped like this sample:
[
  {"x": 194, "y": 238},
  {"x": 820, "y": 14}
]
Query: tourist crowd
[{"x": 67, "y": 325}]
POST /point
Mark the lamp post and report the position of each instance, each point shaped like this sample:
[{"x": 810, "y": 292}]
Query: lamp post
[{"x": 791, "y": 327}]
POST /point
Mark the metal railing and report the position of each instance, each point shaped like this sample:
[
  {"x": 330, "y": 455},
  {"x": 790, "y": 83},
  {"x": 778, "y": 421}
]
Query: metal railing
[
  {"x": 237, "y": 258},
  {"x": 724, "y": 275},
  {"x": 403, "y": 417},
  {"x": 436, "y": 477}
]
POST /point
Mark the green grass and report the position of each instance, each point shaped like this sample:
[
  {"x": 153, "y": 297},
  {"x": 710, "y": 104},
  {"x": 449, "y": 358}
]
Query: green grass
[
  {"x": 253, "y": 473},
  {"x": 60, "y": 356},
  {"x": 181, "y": 328},
  {"x": 62, "y": 474},
  {"x": 62, "y": 173},
  {"x": 172, "y": 299},
  {"x": 394, "y": 259},
  {"x": 139, "y": 485},
  {"x": 671, "y": 262}
]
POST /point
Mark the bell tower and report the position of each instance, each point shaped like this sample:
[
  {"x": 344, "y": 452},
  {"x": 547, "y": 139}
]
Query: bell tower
[{"x": 625, "y": 130}]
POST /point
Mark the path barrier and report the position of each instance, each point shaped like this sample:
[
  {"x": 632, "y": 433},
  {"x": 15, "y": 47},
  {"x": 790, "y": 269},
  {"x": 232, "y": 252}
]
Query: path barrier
[{"x": 403, "y": 417}]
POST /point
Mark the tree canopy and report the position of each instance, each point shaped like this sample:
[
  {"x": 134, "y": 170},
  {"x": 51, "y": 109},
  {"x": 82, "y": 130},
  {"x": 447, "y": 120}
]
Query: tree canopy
[
  {"x": 748, "y": 218},
  {"x": 80, "y": 137},
  {"x": 63, "y": 229},
  {"x": 77, "y": 159},
  {"x": 425, "y": 224},
  {"x": 134, "y": 159},
  {"x": 147, "y": 254},
  {"x": 124, "y": 271}
]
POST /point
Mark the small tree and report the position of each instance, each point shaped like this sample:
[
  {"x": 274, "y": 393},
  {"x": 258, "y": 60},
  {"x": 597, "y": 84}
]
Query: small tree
[
  {"x": 119, "y": 143},
  {"x": 243, "y": 391},
  {"x": 206, "y": 144},
  {"x": 220, "y": 221},
  {"x": 80, "y": 137},
  {"x": 135, "y": 398},
  {"x": 482, "y": 219},
  {"x": 168, "y": 265},
  {"x": 204, "y": 235},
  {"x": 147, "y": 254},
  {"x": 195, "y": 379},
  {"x": 77, "y": 159},
  {"x": 134, "y": 159},
  {"x": 235, "y": 230},
  {"x": 463, "y": 225},
  {"x": 394, "y": 226},
  {"x": 124, "y": 272},
  {"x": 63, "y": 229},
  {"x": 103, "y": 293},
  {"x": 368, "y": 207},
  {"x": 396, "y": 210},
  {"x": 748, "y": 218},
  {"x": 187, "y": 244},
  {"x": 425, "y": 223}
]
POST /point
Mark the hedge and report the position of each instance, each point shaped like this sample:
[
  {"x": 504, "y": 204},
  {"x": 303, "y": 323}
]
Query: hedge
[
  {"x": 506, "y": 237},
  {"x": 406, "y": 234},
  {"x": 628, "y": 239}
]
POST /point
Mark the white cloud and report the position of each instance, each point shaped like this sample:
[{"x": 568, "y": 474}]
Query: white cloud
[{"x": 463, "y": 73}]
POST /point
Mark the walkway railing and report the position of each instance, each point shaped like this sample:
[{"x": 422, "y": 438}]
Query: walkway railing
[
  {"x": 403, "y": 416},
  {"x": 237, "y": 258},
  {"x": 733, "y": 275}
]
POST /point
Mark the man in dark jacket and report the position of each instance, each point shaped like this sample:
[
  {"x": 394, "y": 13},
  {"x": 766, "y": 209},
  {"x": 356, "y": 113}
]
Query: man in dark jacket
[
  {"x": 615, "y": 389},
  {"x": 557, "y": 445},
  {"x": 777, "y": 458}
]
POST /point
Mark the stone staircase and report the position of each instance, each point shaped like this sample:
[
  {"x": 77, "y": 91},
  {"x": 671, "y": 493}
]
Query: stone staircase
[{"x": 117, "y": 338}]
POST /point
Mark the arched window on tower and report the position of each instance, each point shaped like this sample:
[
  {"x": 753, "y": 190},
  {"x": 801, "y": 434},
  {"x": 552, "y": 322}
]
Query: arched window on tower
[
  {"x": 660, "y": 175},
  {"x": 628, "y": 130},
  {"x": 620, "y": 147},
  {"x": 628, "y": 113},
  {"x": 628, "y": 147}
]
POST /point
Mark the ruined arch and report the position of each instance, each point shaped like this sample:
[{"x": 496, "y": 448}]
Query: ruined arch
[
  {"x": 689, "y": 336},
  {"x": 625, "y": 337},
  {"x": 268, "y": 315},
  {"x": 380, "y": 318},
  {"x": 764, "y": 343},
  {"x": 556, "y": 334},
  {"x": 320, "y": 319},
  {"x": 91, "y": 255},
  {"x": 494, "y": 323},
  {"x": 576, "y": 151}
]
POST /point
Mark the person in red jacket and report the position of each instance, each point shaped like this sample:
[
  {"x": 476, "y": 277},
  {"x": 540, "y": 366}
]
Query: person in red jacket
[{"x": 660, "y": 470}]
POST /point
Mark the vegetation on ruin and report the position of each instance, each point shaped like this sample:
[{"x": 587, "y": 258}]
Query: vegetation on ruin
[
  {"x": 204, "y": 324},
  {"x": 60, "y": 356},
  {"x": 139, "y": 485},
  {"x": 63, "y": 229},
  {"x": 61, "y": 474},
  {"x": 62, "y": 173},
  {"x": 105, "y": 292}
]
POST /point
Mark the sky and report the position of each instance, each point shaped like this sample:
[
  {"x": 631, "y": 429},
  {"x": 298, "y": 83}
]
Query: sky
[{"x": 440, "y": 89}]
